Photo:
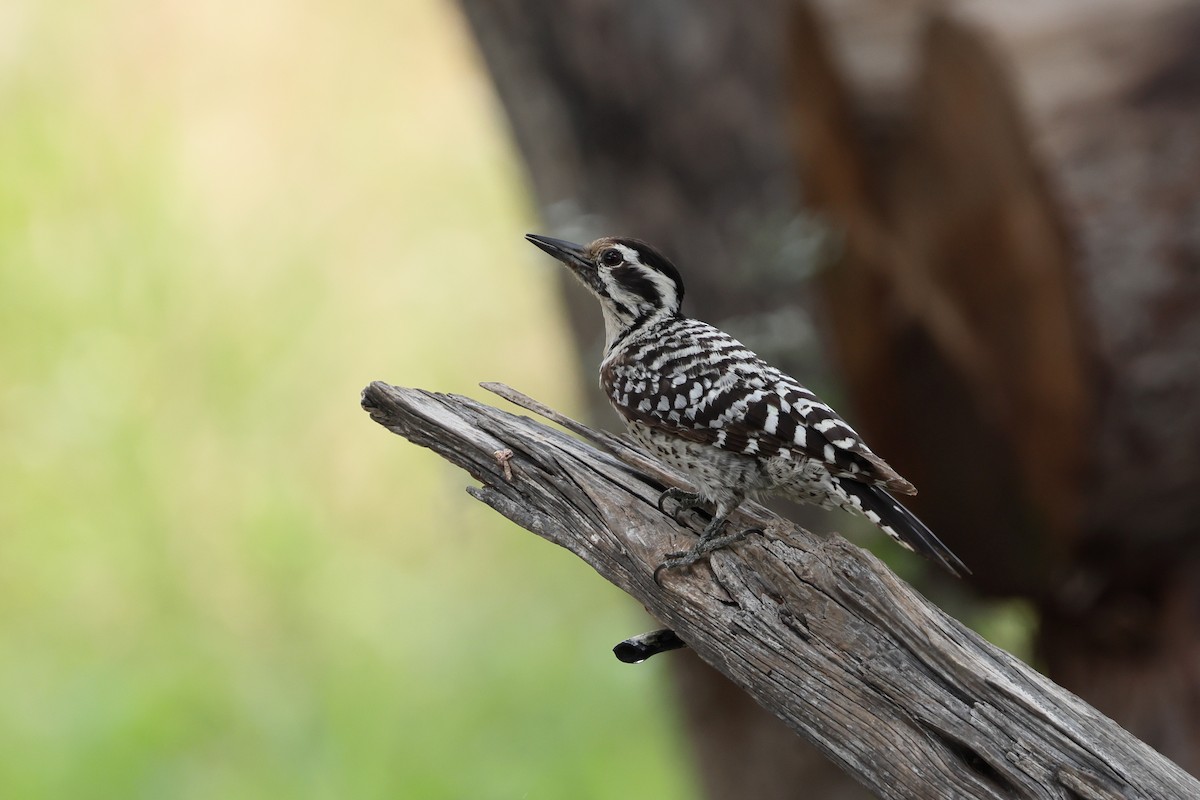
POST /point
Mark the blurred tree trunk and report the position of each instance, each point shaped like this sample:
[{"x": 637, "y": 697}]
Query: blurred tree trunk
[{"x": 1016, "y": 313}]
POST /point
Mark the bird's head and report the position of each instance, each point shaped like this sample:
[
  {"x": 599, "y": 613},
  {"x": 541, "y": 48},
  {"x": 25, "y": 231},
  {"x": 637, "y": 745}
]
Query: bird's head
[{"x": 632, "y": 280}]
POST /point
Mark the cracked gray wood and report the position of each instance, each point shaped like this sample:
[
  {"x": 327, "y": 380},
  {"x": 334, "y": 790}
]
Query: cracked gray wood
[{"x": 906, "y": 699}]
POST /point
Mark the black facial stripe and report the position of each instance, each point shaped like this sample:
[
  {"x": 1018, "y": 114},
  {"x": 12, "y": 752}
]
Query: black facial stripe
[
  {"x": 655, "y": 261},
  {"x": 634, "y": 280},
  {"x": 622, "y": 309}
]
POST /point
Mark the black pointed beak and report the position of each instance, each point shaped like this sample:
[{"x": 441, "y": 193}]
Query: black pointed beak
[{"x": 573, "y": 255}]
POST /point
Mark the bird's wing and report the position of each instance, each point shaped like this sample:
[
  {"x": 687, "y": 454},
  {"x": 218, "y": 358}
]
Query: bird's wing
[{"x": 738, "y": 403}]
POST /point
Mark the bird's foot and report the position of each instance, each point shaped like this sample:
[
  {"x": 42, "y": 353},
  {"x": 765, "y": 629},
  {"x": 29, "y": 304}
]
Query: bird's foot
[
  {"x": 683, "y": 500},
  {"x": 706, "y": 546}
]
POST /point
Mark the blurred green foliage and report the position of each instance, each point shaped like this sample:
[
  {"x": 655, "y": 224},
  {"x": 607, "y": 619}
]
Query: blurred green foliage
[{"x": 218, "y": 578}]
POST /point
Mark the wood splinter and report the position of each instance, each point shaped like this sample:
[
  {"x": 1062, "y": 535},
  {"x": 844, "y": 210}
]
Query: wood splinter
[{"x": 503, "y": 457}]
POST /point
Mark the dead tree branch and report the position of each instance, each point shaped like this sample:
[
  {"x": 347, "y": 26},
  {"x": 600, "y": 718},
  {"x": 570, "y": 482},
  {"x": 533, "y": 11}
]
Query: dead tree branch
[{"x": 822, "y": 634}]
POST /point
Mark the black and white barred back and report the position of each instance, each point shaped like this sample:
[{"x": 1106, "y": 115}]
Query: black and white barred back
[{"x": 701, "y": 401}]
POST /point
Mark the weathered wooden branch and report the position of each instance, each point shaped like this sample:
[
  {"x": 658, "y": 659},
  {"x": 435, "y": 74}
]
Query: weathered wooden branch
[{"x": 818, "y": 631}]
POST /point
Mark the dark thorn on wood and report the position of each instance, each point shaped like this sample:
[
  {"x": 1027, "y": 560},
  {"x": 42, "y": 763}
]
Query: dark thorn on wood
[{"x": 637, "y": 649}]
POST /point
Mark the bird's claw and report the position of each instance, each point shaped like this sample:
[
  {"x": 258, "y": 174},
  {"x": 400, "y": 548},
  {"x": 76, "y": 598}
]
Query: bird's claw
[
  {"x": 667, "y": 564},
  {"x": 684, "y": 500},
  {"x": 704, "y": 547}
]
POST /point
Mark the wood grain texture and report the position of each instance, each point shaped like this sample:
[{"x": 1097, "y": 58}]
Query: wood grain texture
[{"x": 818, "y": 631}]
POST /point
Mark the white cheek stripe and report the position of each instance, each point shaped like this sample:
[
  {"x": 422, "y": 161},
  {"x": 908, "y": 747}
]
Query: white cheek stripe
[
  {"x": 666, "y": 286},
  {"x": 631, "y": 256}
]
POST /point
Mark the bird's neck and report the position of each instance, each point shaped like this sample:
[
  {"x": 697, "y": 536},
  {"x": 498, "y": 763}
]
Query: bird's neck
[{"x": 620, "y": 329}]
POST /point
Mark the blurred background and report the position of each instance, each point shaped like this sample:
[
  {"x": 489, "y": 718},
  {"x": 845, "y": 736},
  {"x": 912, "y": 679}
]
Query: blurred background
[
  {"x": 973, "y": 226},
  {"x": 219, "y": 578}
]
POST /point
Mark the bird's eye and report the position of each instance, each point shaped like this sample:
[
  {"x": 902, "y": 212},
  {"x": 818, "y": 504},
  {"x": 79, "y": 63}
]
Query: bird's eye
[{"x": 611, "y": 257}]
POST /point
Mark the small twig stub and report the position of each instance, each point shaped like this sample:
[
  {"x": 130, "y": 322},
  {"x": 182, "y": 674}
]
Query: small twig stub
[{"x": 637, "y": 649}]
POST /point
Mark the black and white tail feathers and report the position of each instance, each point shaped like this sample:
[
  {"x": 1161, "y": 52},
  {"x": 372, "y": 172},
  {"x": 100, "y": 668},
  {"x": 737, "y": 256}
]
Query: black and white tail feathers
[{"x": 902, "y": 525}]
